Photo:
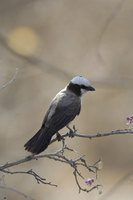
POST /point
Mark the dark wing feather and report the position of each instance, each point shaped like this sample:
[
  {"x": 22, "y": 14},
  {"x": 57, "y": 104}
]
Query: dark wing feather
[{"x": 62, "y": 116}]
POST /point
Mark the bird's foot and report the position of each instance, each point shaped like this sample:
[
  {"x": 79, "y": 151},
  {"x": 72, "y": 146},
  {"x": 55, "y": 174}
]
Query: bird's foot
[
  {"x": 71, "y": 131},
  {"x": 58, "y": 136}
]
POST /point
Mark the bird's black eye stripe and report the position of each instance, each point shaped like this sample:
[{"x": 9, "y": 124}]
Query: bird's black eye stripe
[
  {"x": 84, "y": 87},
  {"x": 89, "y": 88}
]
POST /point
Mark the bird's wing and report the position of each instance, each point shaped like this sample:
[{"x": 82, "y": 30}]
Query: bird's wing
[{"x": 62, "y": 115}]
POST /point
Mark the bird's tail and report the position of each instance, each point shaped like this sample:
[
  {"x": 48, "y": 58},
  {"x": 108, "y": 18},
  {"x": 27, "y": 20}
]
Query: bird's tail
[{"x": 38, "y": 143}]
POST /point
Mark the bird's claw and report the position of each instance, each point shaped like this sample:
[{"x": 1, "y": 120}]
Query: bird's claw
[
  {"x": 59, "y": 137},
  {"x": 72, "y": 131}
]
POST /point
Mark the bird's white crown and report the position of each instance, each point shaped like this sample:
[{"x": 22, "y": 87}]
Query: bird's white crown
[{"x": 79, "y": 80}]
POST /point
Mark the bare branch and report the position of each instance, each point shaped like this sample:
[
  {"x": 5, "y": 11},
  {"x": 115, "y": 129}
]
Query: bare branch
[
  {"x": 84, "y": 189},
  {"x": 29, "y": 158},
  {"x": 60, "y": 157},
  {"x": 9, "y": 82},
  {"x": 116, "y": 132},
  {"x": 57, "y": 156},
  {"x": 16, "y": 191},
  {"x": 38, "y": 178}
]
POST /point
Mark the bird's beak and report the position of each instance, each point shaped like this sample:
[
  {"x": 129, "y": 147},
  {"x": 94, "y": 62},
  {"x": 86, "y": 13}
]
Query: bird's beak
[{"x": 90, "y": 88}]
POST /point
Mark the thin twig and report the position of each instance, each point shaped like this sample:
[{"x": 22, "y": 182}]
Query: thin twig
[
  {"x": 38, "y": 178},
  {"x": 9, "y": 82},
  {"x": 84, "y": 189},
  {"x": 16, "y": 191}
]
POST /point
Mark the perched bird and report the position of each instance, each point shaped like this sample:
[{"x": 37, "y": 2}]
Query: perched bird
[{"x": 63, "y": 109}]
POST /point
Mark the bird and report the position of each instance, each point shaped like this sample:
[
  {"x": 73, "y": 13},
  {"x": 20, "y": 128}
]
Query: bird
[{"x": 64, "y": 107}]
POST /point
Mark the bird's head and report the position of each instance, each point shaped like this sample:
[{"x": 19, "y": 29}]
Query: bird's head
[{"x": 80, "y": 85}]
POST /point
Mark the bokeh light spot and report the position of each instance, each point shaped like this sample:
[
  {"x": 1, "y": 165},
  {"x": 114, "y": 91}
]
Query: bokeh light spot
[{"x": 23, "y": 40}]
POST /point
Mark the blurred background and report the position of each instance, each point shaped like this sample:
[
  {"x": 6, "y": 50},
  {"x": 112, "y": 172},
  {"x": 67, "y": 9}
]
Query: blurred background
[{"x": 50, "y": 42}]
